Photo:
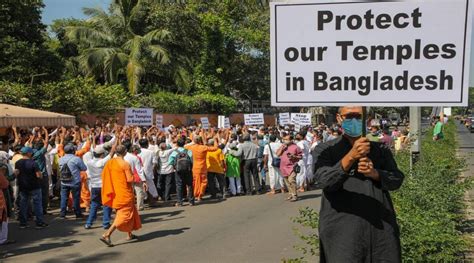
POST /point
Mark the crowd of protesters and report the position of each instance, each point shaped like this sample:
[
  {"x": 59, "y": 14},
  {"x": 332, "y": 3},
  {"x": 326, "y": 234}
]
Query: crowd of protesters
[{"x": 77, "y": 165}]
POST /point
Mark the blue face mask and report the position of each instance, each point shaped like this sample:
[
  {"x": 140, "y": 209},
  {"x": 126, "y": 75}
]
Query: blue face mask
[{"x": 352, "y": 127}]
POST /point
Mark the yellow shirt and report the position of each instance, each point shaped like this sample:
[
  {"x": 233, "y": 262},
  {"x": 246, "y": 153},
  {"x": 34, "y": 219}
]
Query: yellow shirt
[{"x": 214, "y": 162}]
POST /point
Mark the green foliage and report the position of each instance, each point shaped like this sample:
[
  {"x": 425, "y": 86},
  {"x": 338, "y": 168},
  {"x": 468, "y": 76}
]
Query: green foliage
[
  {"x": 23, "y": 52},
  {"x": 309, "y": 220},
  {"x": 167, "y": 102},
  {"x": 429, "y": 205},
  {"x": 81, "y": 96},
  {"x": 74, "y": 96},
  {"x": 14, "y": 93},
  {"x": 115, "y": 47}
]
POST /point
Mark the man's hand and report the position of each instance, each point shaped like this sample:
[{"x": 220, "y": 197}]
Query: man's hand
[
  {"x": 366, "y": 167},
  {"x": 145, "y": 187},
  {"x": 360, "y": 148}
]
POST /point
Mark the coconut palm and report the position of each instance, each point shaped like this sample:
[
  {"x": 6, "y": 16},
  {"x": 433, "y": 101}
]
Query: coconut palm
[{"x": 111, "y": 46}]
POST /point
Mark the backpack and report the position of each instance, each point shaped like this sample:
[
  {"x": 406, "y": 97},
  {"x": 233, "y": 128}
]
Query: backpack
[
  {"x": 66, "y": 175},
  {"x": 183, "y": 162}
]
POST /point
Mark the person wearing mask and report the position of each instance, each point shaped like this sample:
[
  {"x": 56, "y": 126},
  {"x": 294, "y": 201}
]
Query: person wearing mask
[
  {"x": 290, "y": 154},
  {"x": 117, "y": 193},
  {"x": 70, "y": 167},
  {"x": 357, "y": 218},
  {"x": 182, "y": 162},
  {"x": 216, "y": 168},
  {"x": 95, "y": 168},
  {"x": 166, "y": 174},
  {"x": 374, "y": 135},
  {"x": 249, "y": 157},
  {"x": 29, "y": 178},
  {"x": 386, "y": 138}
]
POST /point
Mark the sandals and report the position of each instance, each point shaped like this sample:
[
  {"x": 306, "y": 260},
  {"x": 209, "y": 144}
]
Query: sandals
[
  {"x": 107, "y": 241},
  {"x": 132, "y": 237}
]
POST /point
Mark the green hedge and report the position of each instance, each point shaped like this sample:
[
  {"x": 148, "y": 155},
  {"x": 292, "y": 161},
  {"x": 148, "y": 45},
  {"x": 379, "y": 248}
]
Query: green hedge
[
  {"x": 167, "y": 102},
  {"x": 73, "y": 96},
  {"x": 429, "y": 205}
]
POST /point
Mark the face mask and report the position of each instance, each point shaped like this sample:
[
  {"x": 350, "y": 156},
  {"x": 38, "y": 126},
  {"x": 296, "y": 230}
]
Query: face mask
[
  {"x": 287, "y": 142},
  {"x": 352, "y": 127}
]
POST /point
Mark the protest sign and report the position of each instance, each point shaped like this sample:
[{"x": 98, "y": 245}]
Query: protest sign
[
  {"x": 227, "y": 123},
  {"x": 447, "y": 111},
  {"x": 139, "y": 116},
  {"x": 220, "y": 121},
  {"x": 395, "y": 53},
  {"x": 205, "y": 123},
  {"x": 159, "y": 121},
  {"x": 301, "y": 119},
  {"x": 254, "y": 119},
  {"x": 284, "y": 119}
]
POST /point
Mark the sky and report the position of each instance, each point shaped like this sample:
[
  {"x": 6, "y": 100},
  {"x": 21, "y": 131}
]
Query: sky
[{"x": 55, "y": 9}]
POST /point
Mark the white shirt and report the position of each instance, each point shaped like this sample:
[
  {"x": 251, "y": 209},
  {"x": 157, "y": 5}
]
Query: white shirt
[
  {"x": 304, "y": 146},
  {"x": 274, "y": 147},
  {"x": 135, "y": 164},
  {"x": 147, "y": 159},
  {"x": 154, "y": 148},
  {"x": 94, "y": 171},
  {"x": 166, "y": 167}
]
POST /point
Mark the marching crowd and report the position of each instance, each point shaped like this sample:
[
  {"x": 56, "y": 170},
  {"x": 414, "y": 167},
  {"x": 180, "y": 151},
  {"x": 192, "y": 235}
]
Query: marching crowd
[{"x": 81, "y": 166}]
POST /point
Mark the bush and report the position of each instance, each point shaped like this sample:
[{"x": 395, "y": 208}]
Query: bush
[
  {"x": 429, "y": 205},
  {"x": 73, "y": 96},
  {"x": 167, "y": 102},
  {"x": 14, "y": 93},
  {"x": 82, "y": 96}
]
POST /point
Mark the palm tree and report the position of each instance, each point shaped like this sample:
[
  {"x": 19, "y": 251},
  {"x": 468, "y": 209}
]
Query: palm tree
[{"x": 111, "y": 46}]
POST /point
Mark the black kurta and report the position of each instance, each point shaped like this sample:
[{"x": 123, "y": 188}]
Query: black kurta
[{"x": 357, "y": 221}]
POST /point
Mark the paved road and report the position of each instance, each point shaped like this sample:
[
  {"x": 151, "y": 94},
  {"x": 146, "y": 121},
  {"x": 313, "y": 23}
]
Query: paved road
[{"x": 239, "y": 229}]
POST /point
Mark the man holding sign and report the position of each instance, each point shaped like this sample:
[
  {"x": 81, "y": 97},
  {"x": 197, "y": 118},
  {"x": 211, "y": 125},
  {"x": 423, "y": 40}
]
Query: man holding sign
[{"x": 357, "y": 219}]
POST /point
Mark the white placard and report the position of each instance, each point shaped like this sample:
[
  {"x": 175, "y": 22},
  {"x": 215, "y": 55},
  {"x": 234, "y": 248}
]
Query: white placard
[
  {"x": 388, "y": 53},
  {"x": 226, "y": 123},
  {"x": 254, "y": 119},
  {"x": 159, "y": 121},
  {"x": 447, "y": 111},
  {"x": 284, "y": 119},
  {"x": 139, "y": 116},
  {"x": 205, "y": 123},
  {"x": 301, "y": 119},
  {"x": 220, "y": 121}
]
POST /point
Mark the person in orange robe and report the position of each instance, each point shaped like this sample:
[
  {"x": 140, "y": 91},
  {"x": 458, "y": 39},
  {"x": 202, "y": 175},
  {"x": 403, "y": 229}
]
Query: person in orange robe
[
  {"x": 199, "y": 165},
  {"x": 117, "y": 192}
]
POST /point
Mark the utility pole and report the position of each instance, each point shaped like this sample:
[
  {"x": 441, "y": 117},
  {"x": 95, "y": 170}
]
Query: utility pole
[{"x": 415, "y": 135}]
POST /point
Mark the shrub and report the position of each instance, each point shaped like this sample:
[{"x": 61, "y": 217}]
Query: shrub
[
  {"x": 167, "y": 102},
  {"x": 14, "y": 93},
  {"x": 429, "y": 205},
  {"x": 81, "y": 96}
]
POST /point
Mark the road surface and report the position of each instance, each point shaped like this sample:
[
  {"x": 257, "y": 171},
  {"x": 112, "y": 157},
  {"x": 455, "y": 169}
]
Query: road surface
[{"x": 239, "y": 229}]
